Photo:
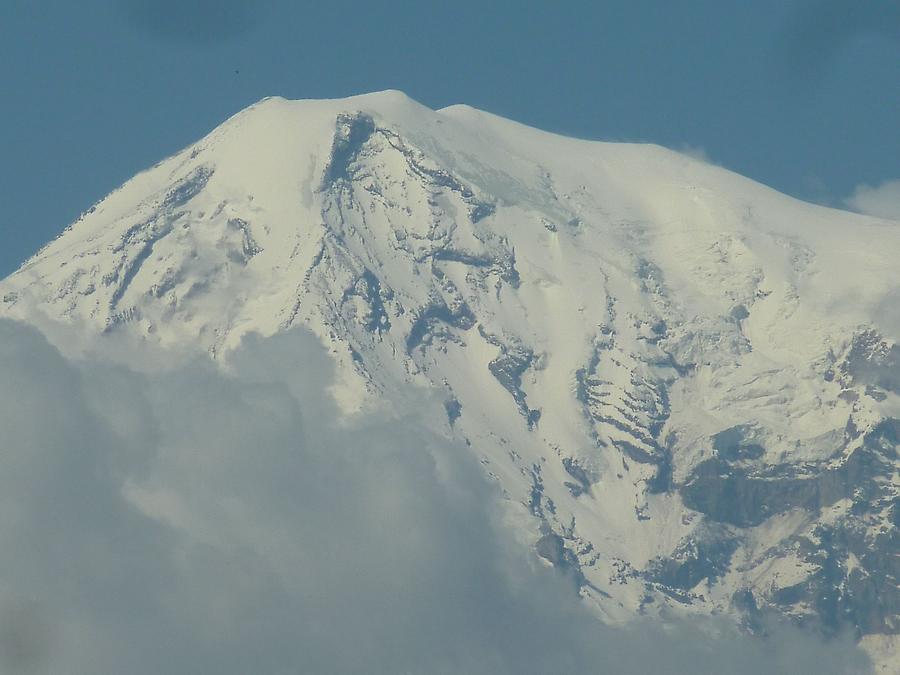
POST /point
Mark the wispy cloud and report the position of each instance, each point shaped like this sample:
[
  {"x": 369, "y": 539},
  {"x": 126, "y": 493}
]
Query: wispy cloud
[
  {"x": 881, "y": 201},
  {"x": 191, "y": 520},
  {"x": 697, "y": 152}
]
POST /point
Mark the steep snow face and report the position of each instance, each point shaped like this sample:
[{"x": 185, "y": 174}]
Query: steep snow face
[{"x": 689, "y": 381}]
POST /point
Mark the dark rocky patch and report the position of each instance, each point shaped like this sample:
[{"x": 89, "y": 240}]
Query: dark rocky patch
[
  {"x": 873, "y": 361},
  {"x": 369, "y": 289},
  {"x": 865, "y": 595},
  {"x": 507, "y": 369},
  {"x": 453, "y": 409},
  {"x": 144, "y": 235},
  {"x": 460, "y": 317},
  {"x": 574, "y": 469},
  {"x": 552, "y": 548},
  {"x": 743, "y": 497},
  {"x": 249, "y": 247},
  {"x": 855, "y": 561},
  {"x": 705, "y": 555},
  {"x": 351, "y": 133},
  {"x": 188, "y": 188},
  {"x": 663, "y": 480},
  {"x": 735, "y": 444}
]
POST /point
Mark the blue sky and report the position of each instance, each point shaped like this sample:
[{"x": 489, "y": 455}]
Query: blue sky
[{"x": 800, "y": 94}]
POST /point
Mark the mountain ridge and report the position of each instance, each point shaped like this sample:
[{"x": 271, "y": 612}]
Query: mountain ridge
[{"x": 680, "y": 374}]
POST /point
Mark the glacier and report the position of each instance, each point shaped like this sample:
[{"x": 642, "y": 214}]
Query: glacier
[{"x": 685, "y": 384}]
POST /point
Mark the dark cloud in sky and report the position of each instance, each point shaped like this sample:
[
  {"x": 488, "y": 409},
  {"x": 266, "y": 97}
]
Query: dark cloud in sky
[
  {"x": 200, "y": 22},
  {"x": 193, "y": 520},
  {"x": 819, "y": 29}
]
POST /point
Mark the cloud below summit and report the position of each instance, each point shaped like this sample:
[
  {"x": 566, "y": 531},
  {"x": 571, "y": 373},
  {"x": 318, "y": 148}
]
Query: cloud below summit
[
  {"x": 188, "y": 520},
  {"x": 881, "y": 201}
]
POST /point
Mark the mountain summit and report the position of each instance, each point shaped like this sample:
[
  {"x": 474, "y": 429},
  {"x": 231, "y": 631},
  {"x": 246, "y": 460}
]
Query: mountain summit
[{"x": 686, "y": 382}]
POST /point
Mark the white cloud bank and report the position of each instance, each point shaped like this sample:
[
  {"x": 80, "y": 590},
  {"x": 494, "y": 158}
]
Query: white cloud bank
[
  {"x": 881, "y": 201},
  {"x": 192, "y": 521}
]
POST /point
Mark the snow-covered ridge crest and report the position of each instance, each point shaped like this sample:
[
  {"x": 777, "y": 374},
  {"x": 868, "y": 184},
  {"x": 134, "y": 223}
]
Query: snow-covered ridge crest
[{"x": 686, "y": 379}]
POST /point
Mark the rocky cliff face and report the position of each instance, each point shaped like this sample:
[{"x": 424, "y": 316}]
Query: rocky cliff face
[{"x": 681, "y": 375}]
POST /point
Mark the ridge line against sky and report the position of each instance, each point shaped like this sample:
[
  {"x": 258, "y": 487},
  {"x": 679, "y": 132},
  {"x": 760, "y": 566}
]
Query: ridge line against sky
[{"x": 800, "y": 95}]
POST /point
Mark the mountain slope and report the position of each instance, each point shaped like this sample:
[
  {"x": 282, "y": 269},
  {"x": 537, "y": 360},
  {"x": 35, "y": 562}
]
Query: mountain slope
[{"x": 689, "y": 381}]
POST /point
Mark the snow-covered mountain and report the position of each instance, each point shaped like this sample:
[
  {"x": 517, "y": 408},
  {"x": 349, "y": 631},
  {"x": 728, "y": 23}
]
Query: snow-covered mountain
[{"x": 687, "y": 383}]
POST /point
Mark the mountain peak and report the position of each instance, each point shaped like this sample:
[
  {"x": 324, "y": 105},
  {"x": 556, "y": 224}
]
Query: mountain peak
[
  {"x": 387, "y": 104},
  {"x": 678, "y": 374}
]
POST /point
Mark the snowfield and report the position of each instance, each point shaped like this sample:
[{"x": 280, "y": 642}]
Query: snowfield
[{"x": 686, "y": 384}]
